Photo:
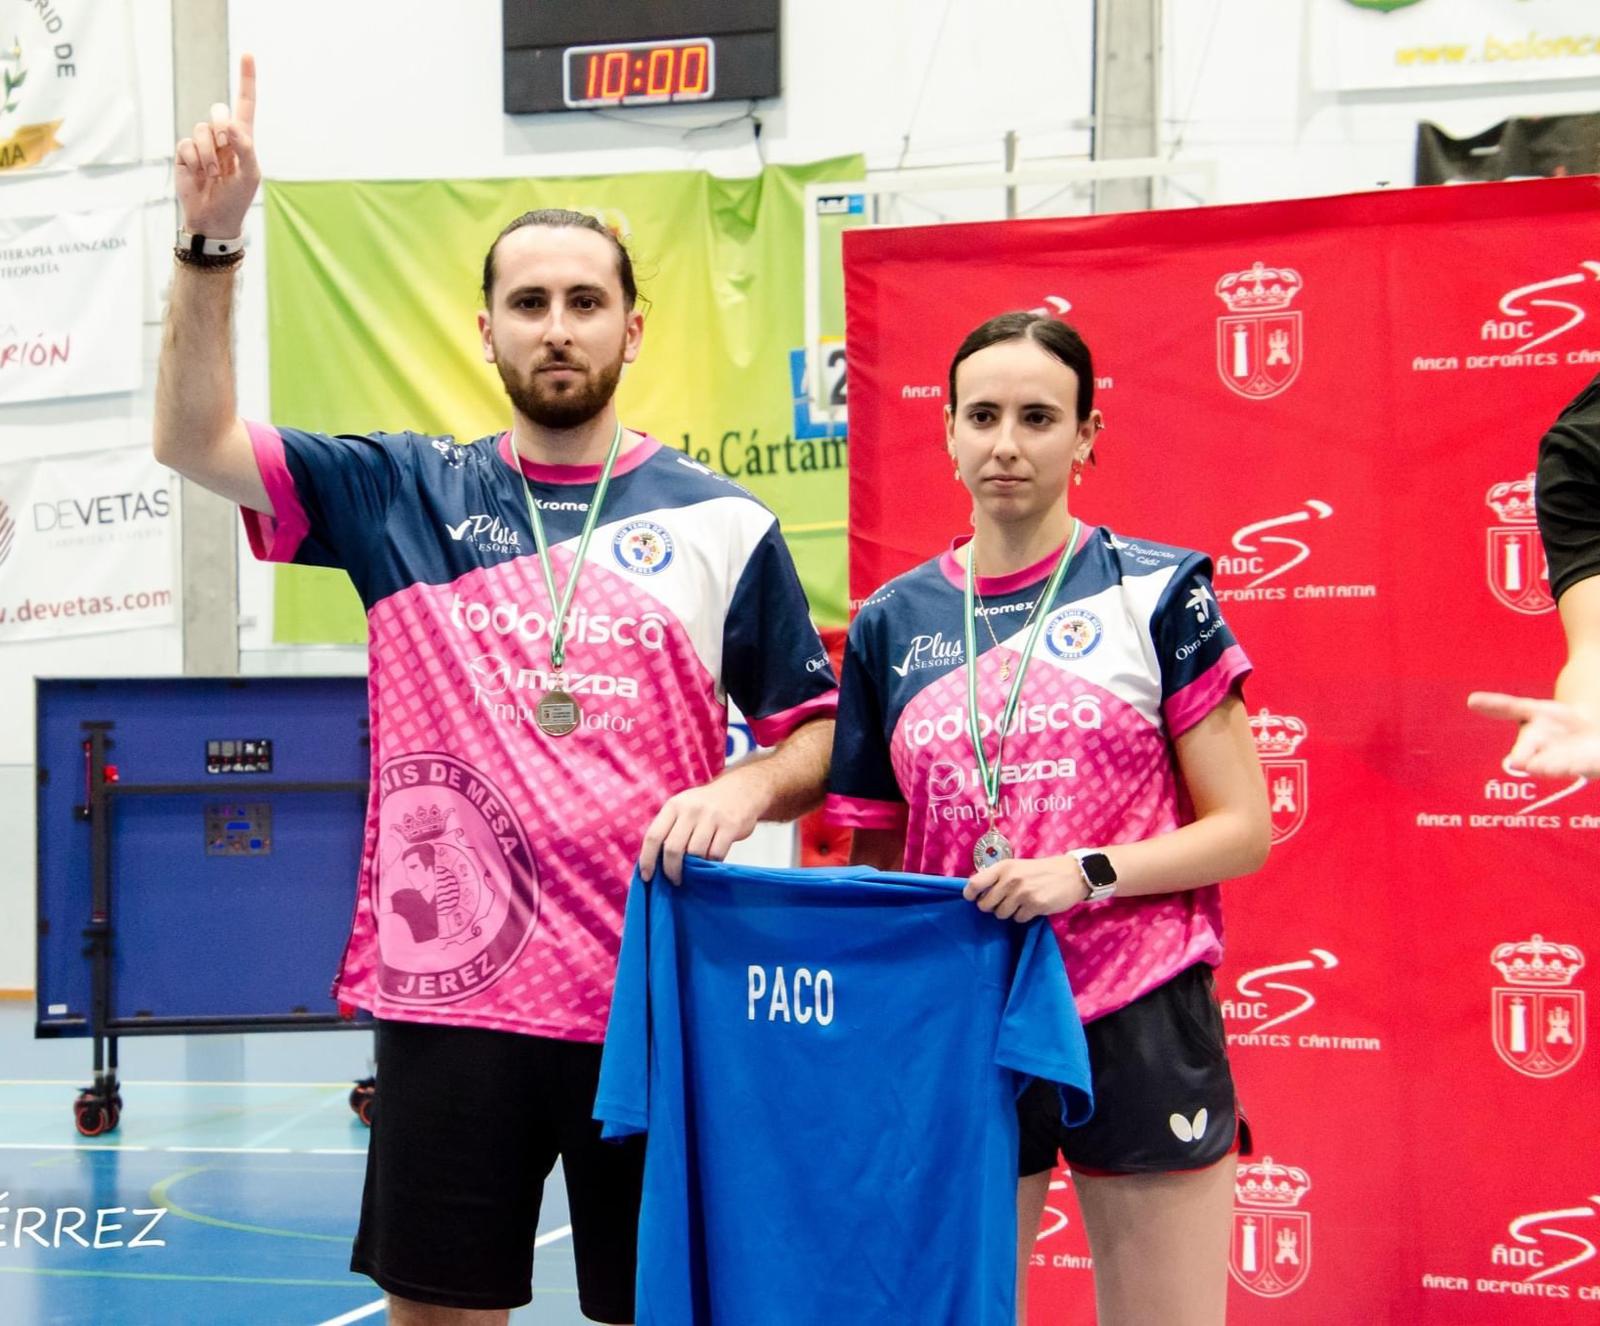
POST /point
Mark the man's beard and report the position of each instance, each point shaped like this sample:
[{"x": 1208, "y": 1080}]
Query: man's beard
[{"x": 561, "y": 403}]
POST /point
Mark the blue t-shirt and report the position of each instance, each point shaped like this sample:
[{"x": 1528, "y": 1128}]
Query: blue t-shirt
[{"x": 826, "y": 1062}]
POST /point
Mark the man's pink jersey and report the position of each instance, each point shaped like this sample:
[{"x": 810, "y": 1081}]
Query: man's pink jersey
[
  {"x": 497, "y": 857},
  {"x": 1133, "y": 652}
]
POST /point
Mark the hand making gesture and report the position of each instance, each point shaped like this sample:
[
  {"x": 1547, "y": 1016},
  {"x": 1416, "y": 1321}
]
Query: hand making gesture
[{"x": 217, "y": 171}]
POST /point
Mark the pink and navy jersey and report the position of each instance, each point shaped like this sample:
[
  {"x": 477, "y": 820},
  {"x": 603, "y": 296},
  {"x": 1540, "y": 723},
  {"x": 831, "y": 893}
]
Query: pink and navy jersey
[
  {"x": 497, "y": 858},
  {"x": 1133, "y": 652}
]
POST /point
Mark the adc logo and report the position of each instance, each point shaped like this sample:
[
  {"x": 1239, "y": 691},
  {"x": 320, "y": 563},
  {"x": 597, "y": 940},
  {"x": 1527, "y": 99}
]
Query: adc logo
[
  {"x": 1530, "y": 1249},
  {"x": 1255, "y": 1003},
  {"x": 1259, "y": 342},
  {"x": 1270, "y": 1253},
  {"x": 1538, "y": 1018},
  {"x": 1519, "y": 323},
  {"x": 643, "y": 547},
  {"x": 1251, "y": 543},
  {"x": 1519, "y": 575},
  {"x": 1277, "y": 738}
]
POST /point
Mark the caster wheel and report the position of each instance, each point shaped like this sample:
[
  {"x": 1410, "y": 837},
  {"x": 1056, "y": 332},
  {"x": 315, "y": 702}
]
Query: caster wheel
[
  {"x": 362, "y": 1096},
  {"x": 90, "y": 1117},
  {"x": 113, "y": 1116}
]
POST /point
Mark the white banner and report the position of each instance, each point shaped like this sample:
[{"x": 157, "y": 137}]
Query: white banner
[
  {"x": 70, "y": 290},
  {"x": 1428, "y": 43},
  {"x": 86, "y": 545},
  {"x": 66, "y": 72}
]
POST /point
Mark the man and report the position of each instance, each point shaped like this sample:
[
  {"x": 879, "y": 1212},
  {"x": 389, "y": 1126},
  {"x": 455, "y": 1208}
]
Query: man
[
  {"x": 555, "y": 615},
  {"x": 1560, "y": 738}
]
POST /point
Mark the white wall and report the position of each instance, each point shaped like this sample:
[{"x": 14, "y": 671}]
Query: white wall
[
  {"x": 411, "y": 89},
  {"x": 1238, "y": 90}
]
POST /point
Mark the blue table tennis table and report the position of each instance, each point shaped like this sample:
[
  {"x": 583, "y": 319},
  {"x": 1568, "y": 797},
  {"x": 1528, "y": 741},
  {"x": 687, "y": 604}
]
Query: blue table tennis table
[{"x": 198, "y": 847}]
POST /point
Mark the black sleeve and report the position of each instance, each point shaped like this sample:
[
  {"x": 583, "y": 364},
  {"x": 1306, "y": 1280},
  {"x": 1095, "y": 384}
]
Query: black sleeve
[{"x": 1567, "y": 492}]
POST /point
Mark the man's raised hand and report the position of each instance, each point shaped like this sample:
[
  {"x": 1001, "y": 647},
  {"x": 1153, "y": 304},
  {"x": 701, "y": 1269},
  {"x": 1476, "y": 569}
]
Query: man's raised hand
[{"x": 217, "y": 171}]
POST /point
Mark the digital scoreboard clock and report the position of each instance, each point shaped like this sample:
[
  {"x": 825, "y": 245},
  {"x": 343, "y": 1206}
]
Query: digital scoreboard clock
[
  {"x": 640, "y": 73},
  {"x": 561, "y": 56}
]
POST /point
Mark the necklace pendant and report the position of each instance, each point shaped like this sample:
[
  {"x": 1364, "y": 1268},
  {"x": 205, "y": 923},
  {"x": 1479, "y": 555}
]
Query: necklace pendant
[
  {"x": 990, "y": 850},
  {"x": 1005, "y": 671}
]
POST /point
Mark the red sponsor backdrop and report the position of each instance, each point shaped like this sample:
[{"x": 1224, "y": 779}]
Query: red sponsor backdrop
[{"x": 1340, "y": 399}]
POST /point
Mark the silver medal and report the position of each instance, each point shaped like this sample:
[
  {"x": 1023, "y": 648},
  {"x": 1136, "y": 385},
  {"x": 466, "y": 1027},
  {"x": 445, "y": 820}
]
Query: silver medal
[{"x": 991, "y": 850}]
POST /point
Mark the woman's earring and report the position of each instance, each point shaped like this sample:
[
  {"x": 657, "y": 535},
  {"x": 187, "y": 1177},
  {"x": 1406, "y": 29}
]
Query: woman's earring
[{"x": 1077, "y": 471}]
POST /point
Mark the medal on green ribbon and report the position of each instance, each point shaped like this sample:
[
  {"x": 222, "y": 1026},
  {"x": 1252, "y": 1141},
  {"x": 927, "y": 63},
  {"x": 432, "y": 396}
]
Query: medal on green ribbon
[
  {"x": 557, "y": 712},
  {"x": 994, "y": 847}
]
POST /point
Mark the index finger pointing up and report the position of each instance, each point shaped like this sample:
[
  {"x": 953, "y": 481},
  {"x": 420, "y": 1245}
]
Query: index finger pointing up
[{"x": 245, "y": 103}]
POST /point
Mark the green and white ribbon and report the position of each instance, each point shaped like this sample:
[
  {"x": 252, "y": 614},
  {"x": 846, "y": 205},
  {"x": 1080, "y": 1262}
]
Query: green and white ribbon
[
  {"x": 991, "y": 773},
  {"x": 558, "y": 624}
]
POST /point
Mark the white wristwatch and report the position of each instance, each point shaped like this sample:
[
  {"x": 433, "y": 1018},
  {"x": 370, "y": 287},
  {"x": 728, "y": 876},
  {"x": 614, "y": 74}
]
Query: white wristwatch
[{"x": 1099, "y": 875}]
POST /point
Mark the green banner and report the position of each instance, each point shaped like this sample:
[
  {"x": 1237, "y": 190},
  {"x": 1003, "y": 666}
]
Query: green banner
[{"x": 372, "y": 296}]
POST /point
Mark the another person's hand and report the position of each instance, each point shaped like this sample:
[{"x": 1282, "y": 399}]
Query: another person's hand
[
  {"x": 217, "y": 172},
  {"x": 1022, "y": 890},
  {"x": 700, "y": 821},
  {"x": 1556, "y": 740}
]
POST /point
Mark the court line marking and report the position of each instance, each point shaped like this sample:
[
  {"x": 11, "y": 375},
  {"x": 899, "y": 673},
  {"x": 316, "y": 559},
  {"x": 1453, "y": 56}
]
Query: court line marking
[
  {"x": 126, "y": 1082},
  {"x": 372, "y": 1309},
  {"x": 357, "y": 1314},
  {"x": 66, "y": 1146},
  {"x": 160, "y": 1195},
  {"x": 190, "y": 1150},
  {"x": 80, "y": 1272},
  {"x": 277, "y": 1130},
  {"x": 360, "y": 1283}
]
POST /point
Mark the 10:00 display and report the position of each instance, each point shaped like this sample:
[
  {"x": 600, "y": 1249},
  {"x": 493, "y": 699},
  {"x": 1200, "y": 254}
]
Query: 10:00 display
[{"x": 614, "y": 74}]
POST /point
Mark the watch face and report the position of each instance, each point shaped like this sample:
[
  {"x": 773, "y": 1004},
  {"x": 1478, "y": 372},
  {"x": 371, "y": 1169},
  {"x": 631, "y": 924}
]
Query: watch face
[{"x": 1097, "y": 869}]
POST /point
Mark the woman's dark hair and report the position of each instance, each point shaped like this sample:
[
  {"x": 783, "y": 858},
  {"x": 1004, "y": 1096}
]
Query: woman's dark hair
[
  {"x": 1056, "y": 337},
  {"x": 561, "y": 218}
]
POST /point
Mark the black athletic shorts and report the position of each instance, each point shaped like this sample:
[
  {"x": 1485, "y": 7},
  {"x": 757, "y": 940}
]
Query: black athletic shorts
[
  {"x": 1163, "y": 1093},
  {"x": 466, "y": 1127}
]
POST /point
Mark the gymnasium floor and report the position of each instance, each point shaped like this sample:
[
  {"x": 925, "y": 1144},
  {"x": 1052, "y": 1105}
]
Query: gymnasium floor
[{"x": 249, "y": 1147}]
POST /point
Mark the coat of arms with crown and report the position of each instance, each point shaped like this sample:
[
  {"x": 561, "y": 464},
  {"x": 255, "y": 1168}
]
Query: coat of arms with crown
[{"x": 1259, "y": 340}]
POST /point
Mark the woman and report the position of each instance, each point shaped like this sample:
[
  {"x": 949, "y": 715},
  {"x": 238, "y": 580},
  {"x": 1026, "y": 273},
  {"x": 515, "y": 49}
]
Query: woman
[{"x": 1098, "y": 769}]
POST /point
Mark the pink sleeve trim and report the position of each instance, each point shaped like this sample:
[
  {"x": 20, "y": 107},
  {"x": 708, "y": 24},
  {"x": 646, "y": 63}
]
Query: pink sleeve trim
[
  {"x": 274, "y": 538},
  {"x": 859, "y": 813},
  {"x": 1183, "y": 709},
  {"x": 772, "y": 729}
]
